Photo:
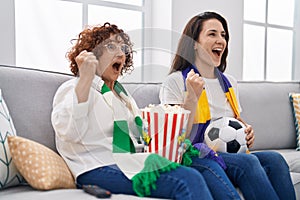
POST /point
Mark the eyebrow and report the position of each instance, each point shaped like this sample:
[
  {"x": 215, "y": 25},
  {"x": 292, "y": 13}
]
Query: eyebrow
[
  {"x": 114, "y": 41},
  {"x": 110, "y": 41},
  {"x": 215, "y": 31}
]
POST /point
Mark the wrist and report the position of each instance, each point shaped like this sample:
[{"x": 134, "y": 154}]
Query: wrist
[{"x": 191, "y": 98}]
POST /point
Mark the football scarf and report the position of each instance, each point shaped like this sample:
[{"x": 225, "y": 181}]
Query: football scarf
[
  {"x": 202, "y": 115},
  {"x": 142, "y": 168}
]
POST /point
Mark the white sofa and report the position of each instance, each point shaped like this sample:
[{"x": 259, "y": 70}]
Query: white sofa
[{"x": 29, "y": 93}]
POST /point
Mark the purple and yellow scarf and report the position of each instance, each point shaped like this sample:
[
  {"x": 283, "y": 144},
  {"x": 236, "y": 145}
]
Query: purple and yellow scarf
[{"x": 202, "y": 115}]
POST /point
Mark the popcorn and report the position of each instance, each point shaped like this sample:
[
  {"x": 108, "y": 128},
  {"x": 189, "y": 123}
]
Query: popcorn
[{"x": 166, "y": 126}]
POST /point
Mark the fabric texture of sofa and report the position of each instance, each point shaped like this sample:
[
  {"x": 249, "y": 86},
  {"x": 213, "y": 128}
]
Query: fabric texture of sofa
[{"x": 29, "y": 93}]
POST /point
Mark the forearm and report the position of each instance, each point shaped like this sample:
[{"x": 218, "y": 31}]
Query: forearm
[
  {"x": 190, "y": 103},
  {"x": 241, "y": 120},
  {"x": 82, "y": 89},
  {"x": 69, "y": 118}
]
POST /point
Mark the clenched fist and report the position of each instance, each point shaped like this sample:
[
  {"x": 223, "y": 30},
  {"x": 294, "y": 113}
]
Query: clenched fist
[
  {"x": 87, "y": 64},
  {"x": 194, "y": 84}
]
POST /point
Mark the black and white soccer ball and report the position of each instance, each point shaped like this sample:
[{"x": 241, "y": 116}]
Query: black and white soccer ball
[{"x": 226, "y": 134}]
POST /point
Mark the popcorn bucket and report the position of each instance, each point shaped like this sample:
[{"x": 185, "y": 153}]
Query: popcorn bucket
[{"x": 166, "y": 125}]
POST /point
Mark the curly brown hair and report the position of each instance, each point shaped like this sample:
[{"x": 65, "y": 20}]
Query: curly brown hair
[{"x": 91, "y": 37}]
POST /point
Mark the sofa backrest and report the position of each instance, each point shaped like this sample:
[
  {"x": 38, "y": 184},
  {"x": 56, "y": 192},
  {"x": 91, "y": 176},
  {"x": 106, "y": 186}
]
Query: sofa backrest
[
  {"x": 144, "y": 93},
  {"x": 266, "y": 106},
  {"x": 29, "y": 95}
]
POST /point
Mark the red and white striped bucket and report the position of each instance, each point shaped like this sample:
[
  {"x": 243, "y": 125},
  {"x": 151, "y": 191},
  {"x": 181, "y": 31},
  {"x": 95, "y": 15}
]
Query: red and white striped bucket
[{"x": 166, "y": 126}]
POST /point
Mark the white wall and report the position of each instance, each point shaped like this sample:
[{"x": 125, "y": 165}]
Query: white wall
[
  {"x": 169, "y": 19},
  {"x": 158, "y": 41},
  {"x": 7, "y": 41},
  {"x": 297, "y": 41}
]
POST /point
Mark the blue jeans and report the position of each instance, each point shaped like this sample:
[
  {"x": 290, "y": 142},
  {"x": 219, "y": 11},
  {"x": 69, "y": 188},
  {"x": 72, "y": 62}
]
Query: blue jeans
[
  {"x": 218, "y": 182},
  {"x": 260, "y": 175},
  {"x": 183, "y": 183}
]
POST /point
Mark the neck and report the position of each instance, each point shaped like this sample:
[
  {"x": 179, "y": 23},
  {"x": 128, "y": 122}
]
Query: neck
[
  {"x": 110, "y": 84},
  {"x": 205, "y": 70}
]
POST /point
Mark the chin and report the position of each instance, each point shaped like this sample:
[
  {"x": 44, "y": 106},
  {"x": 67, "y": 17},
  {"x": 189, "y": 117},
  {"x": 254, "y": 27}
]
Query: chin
[{"x": 216, "y": 64}]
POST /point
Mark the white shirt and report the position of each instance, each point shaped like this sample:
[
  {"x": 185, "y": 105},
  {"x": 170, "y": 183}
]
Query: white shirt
[
  {"x": 173, "y": 92},
  {"x": 84, "y": 131}
]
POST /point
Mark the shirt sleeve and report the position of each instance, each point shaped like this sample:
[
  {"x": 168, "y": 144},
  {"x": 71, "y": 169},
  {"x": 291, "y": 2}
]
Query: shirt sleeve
[
  {"x": 69, "y": 118},
  {"x": 172, "y": 89}
]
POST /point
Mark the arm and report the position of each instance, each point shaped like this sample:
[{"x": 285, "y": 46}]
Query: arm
[
  {"x": 69, "y": 118},
  {"x": 249, "y": 132},
  {"x": 194, "y": 86},
  {"x": 87, "y": 64},
  {"x": 249, "y": 129},
  {"x": 172, "y": 92},
  {"x": 70, "y": 107}
]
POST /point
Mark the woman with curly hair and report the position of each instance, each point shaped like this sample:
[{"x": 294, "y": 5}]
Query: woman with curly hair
[{"x": 99, "y": 129}]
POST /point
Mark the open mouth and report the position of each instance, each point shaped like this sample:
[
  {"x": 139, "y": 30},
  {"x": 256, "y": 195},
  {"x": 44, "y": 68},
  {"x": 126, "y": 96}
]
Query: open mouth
[
  {"x": 217, "y": 51},
  {"x": 117, "y": 66}
]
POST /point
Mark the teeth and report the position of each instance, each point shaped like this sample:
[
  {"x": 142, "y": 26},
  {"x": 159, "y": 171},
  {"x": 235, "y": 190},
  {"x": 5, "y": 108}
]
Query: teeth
[{"x": 217, "y": 49}]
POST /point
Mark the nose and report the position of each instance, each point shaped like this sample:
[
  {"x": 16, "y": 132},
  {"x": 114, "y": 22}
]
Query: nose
[
  {"x": 119, "y": 52},
  {"x": 220, "y": 40}
]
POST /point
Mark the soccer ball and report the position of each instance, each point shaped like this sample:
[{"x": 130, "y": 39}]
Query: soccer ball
[{"x": 226, "y": 134}]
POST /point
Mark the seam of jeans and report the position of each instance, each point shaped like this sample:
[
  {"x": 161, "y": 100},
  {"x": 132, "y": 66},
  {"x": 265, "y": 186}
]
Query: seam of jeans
[
  {"x": 242, "y": 173},
  {"x": 176, "y": 180},
  {"x": 220, "y": 178}
]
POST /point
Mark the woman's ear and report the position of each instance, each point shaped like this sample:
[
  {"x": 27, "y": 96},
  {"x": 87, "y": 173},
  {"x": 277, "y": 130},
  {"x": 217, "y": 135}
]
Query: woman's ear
[{"x": 195, "y": 46}]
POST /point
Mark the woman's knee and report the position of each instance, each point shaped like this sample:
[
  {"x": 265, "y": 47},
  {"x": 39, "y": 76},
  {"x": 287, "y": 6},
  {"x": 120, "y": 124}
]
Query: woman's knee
[
  {"x": 188, "y": 179},
  {"x": 191, "y": 173},
  {"x": 272, "y": 159},
  {"x": 241, "y": 160}
]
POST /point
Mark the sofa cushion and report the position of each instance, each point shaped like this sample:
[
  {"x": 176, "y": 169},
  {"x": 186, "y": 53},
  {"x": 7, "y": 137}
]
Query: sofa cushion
[
  {"x": 292, "y": 158},
  {"x": 266, "y": 106},
  {"x": 295, "y": 100},
  {"x": 9, "y": 175},
  {"x": 144, "y": 93},
  {"x": 41, "y": 167}
]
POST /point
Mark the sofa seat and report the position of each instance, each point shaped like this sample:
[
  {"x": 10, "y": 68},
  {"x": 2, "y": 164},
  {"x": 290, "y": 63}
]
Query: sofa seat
[
  {"x": 292, "y": 158},
  {"x": 28, "y": 193}
]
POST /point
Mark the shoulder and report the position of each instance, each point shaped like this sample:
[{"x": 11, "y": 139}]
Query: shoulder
[
  {"x": 69, "y": 84},
  {"x": 174, "y": 81},
  {"x": 65, "y": 89},
  {"x": 172, "y": 90},
  {"x": 174, "y": 77},
  {"x": 231, "y": 78}
]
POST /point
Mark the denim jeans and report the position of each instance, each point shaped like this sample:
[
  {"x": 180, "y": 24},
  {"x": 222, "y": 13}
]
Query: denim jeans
[
  {"x": 218, "y": 182},
  {"x": 183, "y": 183},
  {"x": 260, "y": 175}
]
